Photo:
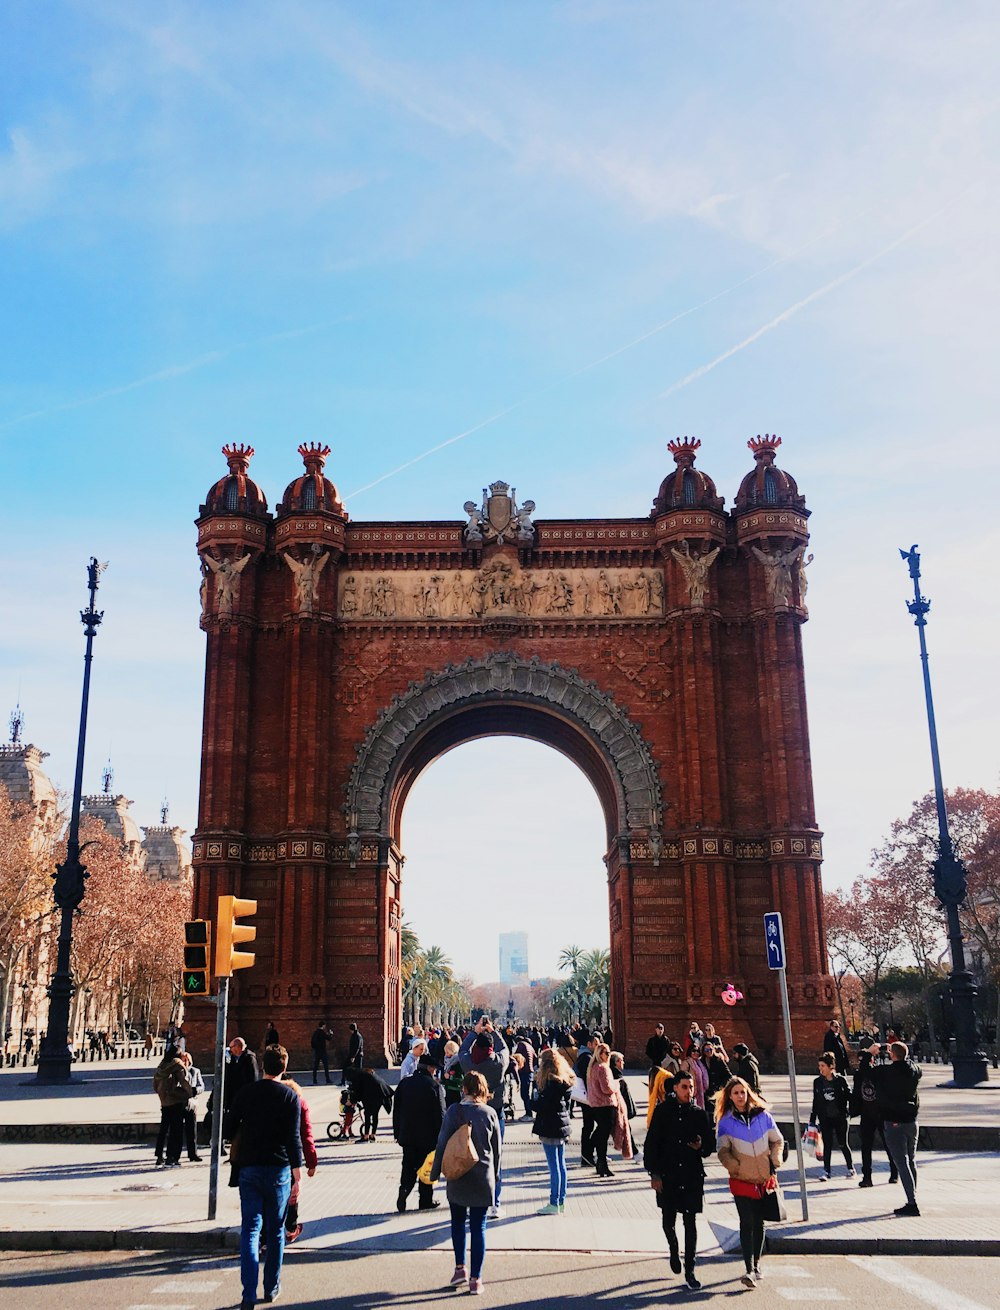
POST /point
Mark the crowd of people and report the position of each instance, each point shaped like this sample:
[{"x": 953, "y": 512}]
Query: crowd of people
[{"x": 458, "y": 1090}]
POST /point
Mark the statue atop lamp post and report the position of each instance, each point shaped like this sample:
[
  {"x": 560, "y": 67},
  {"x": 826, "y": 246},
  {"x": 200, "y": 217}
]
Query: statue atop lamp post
[
  {"x": 950, "y": 886},
  {"x": 54, "y": 1059}
]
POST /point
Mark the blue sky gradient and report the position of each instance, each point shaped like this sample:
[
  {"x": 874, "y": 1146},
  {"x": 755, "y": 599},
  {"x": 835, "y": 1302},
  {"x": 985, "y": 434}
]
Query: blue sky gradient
[{"x": 381, "y": 226}]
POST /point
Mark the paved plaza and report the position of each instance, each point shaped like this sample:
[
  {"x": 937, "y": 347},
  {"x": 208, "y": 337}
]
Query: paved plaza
[{"x": 75, "y": 1194}]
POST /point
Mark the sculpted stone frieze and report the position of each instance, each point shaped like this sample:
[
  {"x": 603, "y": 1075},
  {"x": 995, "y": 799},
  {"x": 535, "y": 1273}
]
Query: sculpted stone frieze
[{"x": 501, "y": 587}]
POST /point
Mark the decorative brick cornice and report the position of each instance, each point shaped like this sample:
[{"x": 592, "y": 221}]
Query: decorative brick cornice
[{"x": 719, "y": 846}]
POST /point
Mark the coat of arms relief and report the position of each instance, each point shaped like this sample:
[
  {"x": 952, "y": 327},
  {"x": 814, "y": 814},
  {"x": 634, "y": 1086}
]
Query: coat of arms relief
[{"x": 499, "y": 519}]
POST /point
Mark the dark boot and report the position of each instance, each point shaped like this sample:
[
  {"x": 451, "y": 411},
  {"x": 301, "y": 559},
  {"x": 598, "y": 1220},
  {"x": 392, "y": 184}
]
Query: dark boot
[
  {"x": 675, "y": 1254},
  {"x": 670, "y": 1233}
]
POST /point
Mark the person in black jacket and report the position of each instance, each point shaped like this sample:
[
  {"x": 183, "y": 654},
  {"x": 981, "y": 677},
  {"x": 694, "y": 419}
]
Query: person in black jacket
[
  {"x": 265, "y": 1116},
  {"x": 553, "y": 1080},
  {"x": 864, "y": 1105},
  {"x": 355, "y": 1053},
  {"x": 417, "y": 1114},
  {"x": 747, "y": 1067},
  {"x": 373, "y": 1095},
  {"x": 831, "y": 1108},
  {"x": 719, "y": 1073},
  {"x": 589, "y": 1122},
  {"x": 834, "y": 1044},
  {"x": 657, "y": 1048},
  {"x": 899, "y": 1104},
  {"x": 679, "y": 1138}
]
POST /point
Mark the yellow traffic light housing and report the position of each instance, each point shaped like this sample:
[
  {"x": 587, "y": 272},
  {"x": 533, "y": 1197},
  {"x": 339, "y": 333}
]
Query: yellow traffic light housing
[
  {"x": 230, "y": 933},
  {"x": 196, "y": 978}
]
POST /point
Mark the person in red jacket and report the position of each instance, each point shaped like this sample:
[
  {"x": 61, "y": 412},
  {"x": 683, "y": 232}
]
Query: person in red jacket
[{"x": 293, "y": 1229}]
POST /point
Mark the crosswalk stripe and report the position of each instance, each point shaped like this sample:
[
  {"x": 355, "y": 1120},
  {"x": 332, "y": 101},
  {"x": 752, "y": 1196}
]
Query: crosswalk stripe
[
  {"x": 188, "y": 1287},
  {"x": 810, "y": 1294},
  {"x": 924, "y": 1289}
]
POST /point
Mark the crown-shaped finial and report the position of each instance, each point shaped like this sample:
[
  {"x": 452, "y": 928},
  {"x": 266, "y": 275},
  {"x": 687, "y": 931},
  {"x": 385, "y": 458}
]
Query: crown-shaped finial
[
  {"x": 683, "y": 451},
  {"x": 764, "y": 447},
  {"x": 239, "y": 456},
  {"x": 314, "y": 455}
]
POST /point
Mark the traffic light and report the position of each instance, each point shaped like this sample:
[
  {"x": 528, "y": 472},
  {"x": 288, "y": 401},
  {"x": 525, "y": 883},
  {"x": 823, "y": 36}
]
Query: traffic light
[
  {"x": 197, "y": 942},
  {"x": 230, "y": 933}
]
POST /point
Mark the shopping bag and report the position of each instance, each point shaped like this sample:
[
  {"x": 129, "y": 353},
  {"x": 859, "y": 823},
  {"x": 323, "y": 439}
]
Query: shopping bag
[
  {"x": 813, "y": 1141},
  {"x": 578, "y": 1092},
  {"x": 773, "y": 1202},
  {"x": 424, "y": 1172}
]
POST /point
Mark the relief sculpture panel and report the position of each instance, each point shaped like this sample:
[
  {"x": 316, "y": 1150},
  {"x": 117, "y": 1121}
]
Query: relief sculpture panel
[{"x": 501, "y": 587}]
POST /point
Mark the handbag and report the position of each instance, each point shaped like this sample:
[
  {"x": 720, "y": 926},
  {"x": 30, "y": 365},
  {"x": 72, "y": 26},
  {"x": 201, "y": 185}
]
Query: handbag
[
  {"x": 459, "y": 1153},
  {"x": 578, "y": 1092},
  {"x": 773, "y": 1202}
]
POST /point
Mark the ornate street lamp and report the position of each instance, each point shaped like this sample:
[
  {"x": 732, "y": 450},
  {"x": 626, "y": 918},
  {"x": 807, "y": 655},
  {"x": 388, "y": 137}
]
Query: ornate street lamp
[
  {"x": 950, "y": 886},
  {"x": 54, "y": 1060}
]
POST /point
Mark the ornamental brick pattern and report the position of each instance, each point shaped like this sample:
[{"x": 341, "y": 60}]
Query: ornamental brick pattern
[{"x": 663, "y": 654}]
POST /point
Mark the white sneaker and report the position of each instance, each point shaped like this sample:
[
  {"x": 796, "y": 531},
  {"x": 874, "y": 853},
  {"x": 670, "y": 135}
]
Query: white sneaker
[
  {"x": 851, "y": 1173},
  {"x": 748, "y": 1280},
  {"x": 494, "y": 1212}
]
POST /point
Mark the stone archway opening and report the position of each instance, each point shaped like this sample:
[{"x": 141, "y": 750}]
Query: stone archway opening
[
  {"x": 509, "y": 694},
  {"x": 503, "y": 835}
]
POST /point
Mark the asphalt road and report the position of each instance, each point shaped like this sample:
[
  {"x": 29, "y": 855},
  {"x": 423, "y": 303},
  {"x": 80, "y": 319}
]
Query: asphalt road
[{"x": 575, "y": 1280}]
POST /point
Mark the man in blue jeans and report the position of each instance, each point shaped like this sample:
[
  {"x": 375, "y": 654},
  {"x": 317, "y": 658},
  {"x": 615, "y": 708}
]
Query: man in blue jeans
[{"x": 266, "y": 1116}]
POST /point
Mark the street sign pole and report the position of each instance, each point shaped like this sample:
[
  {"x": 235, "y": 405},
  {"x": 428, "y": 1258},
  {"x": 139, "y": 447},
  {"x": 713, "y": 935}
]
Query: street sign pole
[
  {"x": 218, "y": 1094},
  {"x": 774, "y": 938}
]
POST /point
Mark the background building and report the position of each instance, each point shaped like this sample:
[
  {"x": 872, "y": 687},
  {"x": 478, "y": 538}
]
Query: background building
[{"x": 513, "y": 957}]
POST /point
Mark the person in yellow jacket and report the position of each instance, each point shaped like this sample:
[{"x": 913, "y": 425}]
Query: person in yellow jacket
[{"x": 662, "y": 1079}]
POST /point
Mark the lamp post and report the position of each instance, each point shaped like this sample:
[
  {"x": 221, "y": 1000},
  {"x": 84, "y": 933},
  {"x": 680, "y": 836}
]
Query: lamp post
[
  {"x": 54, "y": 1062},
  {"x": 854, "y": 1027},
  {"x": 950, "y": 887}
]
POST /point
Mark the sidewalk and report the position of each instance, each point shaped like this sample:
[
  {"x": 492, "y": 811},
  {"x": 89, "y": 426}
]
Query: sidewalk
[{"x": 74, "y": 1195}]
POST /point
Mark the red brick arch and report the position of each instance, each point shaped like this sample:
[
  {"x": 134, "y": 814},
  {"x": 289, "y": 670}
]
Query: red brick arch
[{"x": 662, "y": 654}]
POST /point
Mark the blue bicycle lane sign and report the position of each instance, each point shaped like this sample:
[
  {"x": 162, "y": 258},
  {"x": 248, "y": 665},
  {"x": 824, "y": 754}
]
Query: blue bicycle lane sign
[{"x": 774, "y": 936}]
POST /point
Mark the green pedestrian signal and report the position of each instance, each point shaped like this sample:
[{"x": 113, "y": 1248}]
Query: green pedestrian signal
[{"x": 197, "y": 969}]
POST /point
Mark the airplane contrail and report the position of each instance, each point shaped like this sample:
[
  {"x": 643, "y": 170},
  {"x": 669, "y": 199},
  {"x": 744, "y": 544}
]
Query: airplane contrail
[
  {"x": 434, "y": 449},
  {"x": 170, "y": 371},
  {"x": 824, "y": 290},
  {"x": 594, "y": 363}
]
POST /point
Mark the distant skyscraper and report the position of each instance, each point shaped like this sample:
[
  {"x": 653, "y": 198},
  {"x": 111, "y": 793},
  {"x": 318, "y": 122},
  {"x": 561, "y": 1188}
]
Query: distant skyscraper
[{"x": 513, "y": 957}]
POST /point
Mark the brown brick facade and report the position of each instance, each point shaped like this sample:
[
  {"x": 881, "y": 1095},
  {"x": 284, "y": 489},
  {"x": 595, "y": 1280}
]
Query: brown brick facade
[{"x": 663, "y": 654}]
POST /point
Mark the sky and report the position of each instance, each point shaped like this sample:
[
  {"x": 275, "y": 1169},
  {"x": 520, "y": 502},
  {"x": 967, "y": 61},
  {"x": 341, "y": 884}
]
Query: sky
[{"x": 531, "y": 242}]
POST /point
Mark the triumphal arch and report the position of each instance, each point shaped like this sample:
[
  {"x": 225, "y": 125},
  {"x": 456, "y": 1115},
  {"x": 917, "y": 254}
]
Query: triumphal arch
[{"x": 662, "y": 653}]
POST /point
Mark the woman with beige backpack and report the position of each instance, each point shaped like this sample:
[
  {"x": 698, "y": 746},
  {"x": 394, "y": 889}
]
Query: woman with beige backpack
[{"x": 468, "y": 1156}]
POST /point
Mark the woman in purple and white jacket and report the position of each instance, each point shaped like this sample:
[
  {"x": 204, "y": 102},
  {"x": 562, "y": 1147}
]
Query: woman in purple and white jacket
[{"x": 750, "y": 1148}]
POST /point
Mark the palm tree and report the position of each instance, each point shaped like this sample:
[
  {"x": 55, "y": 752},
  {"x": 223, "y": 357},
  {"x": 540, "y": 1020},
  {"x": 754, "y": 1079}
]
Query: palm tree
[
  {"x": 569, "y": 958},
  {"x": 595, "y": 971}
]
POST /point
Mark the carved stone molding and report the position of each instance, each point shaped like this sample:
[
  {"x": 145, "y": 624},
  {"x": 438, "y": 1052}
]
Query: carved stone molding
[{"x": 497, "y": 678}]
